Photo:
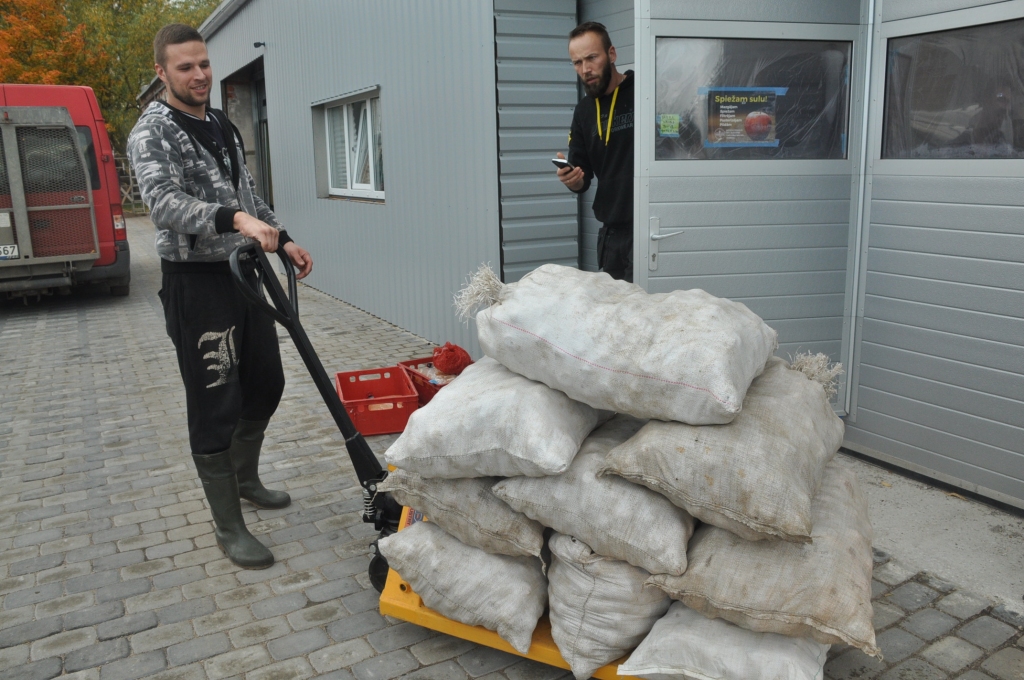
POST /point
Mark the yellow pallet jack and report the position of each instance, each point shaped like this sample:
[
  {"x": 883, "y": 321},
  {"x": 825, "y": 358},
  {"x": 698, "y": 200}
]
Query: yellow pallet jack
[{"x": 253, "y": 275}]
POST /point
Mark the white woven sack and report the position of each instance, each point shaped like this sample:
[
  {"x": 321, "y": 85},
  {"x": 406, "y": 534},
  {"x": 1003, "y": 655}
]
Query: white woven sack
[
  {"x": 755, "y": 476},
  {"x": 501, "y": 593},
  {"x": 490, "y": 422},
  {"x": 469, "y": 511},
  {"x": 686, "y": 355},
  {"x": 685, "y": 644},
  {"x": 614, "y": 517},
  {"x": 599, "y": 606},
  {"x": 820, "y": 590}
]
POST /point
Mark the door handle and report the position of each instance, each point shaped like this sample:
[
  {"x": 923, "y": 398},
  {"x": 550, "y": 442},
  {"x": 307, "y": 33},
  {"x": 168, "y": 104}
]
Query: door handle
[{"x": 658, "y": 237}]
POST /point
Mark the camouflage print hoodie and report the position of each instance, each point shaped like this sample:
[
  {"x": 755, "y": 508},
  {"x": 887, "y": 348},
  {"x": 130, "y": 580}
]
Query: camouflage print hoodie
[{"x": 190, "y": 200}]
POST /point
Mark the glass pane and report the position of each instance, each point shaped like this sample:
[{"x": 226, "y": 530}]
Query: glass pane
[
  {"x": 743, "y": 99},
  {"x": 336, "y": 144},
  {"x": 359, "y": 144},
  {"x": 956, "y": 94},
  {"x": 89, "y": 151},
  {"x": 378, "y": 145}
]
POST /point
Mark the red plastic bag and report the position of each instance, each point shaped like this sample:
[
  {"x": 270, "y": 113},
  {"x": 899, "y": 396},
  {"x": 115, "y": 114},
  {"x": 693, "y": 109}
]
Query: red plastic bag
[{"x": 451, "y": 359}]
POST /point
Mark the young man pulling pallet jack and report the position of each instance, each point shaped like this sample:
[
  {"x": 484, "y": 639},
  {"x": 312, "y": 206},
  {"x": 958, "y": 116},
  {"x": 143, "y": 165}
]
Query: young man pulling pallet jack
[{"x": 202, "y": 199}]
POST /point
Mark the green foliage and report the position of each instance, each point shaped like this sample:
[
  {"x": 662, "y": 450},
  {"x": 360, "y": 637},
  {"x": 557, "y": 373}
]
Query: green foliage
[{"x": 125, "y": 29}]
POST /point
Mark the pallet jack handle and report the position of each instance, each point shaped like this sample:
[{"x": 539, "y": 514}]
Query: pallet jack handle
[{"x": 378, "y": 508}]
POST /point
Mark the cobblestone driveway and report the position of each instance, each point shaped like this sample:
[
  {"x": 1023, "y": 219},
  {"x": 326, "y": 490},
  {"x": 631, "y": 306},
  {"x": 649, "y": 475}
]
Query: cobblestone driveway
[{"x": 108, "y": 567}]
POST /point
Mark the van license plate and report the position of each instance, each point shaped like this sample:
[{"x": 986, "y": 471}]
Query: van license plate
[{"x": 9, "y": 252}]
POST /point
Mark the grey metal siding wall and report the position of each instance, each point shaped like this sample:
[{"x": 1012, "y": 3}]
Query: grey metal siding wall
[
  {"x": 776, "y": 243},
  {"x": 434, "y": 61},
  {"x": 905, "y": 9},
  {"x": 617, "y": 16},
  {"x": 536, "y": 92},
  {"x": 940, "y": 354},
  {"x": 795, "y": 11},
  {"x": 941, "y": 369}
]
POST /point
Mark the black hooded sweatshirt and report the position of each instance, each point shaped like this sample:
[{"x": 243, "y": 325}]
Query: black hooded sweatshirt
[{"x": 608, "y": 157}]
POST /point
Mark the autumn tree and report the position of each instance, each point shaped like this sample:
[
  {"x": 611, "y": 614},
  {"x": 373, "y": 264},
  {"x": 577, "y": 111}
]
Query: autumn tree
[
  {"x": 38, "y": 44},
  {"x": 105, "y": 44}
]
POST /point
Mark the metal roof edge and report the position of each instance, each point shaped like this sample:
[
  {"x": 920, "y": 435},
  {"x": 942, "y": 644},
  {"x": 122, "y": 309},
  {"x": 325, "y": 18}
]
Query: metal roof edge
[
  {"x": 146, "y": 88},
  {"x": 220, "y": 16}
]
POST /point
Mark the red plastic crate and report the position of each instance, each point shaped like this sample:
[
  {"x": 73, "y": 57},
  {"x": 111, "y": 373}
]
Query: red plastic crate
[
  {"x": 378, "y": 400},
  {"x": 424, "y": 388}
]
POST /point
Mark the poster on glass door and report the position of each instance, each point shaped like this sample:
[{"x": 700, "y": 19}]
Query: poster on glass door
[{"x": 741, "y": 116}]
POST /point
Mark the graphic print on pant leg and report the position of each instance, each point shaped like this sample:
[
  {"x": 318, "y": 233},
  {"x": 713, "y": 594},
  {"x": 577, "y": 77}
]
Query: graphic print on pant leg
[{"x": 223, "y": 358}]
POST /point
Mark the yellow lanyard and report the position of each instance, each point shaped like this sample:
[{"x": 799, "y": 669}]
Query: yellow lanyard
[{"x": 611, "y": 113}]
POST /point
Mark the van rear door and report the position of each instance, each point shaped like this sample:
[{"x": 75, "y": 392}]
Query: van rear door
[{"x": 47, "y": 219}]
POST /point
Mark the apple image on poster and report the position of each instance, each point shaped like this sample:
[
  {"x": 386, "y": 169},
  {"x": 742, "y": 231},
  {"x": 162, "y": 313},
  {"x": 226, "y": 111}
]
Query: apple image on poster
[{"x": 757, "y": 125}]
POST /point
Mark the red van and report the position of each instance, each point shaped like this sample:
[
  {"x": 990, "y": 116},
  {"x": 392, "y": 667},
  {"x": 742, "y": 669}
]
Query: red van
[{"x": 61, "y": 222}]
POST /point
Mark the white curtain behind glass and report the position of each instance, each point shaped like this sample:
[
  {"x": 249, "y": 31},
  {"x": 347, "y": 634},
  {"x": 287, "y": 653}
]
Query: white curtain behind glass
[
  {"x": 336, "y": 134},
  {"x": 378, "y": 145}
]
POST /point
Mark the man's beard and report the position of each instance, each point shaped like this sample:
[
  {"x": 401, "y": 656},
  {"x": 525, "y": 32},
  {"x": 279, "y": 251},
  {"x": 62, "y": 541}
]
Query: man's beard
[
  {"x": 186, "y": 97},
  {"x": 598, "y": 88}
]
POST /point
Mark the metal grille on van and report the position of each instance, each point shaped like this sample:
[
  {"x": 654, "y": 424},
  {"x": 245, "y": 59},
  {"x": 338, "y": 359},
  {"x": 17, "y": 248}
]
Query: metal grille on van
[{"x": 56, "y": 192}]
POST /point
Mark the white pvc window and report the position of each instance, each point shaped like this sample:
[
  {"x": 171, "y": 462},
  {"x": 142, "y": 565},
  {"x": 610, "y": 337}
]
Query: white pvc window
[{"x": 355, "y": 148}]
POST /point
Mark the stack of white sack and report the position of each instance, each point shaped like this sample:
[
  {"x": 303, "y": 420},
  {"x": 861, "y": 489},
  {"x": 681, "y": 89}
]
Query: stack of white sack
[
  {"x": 768, "y": 475},
  {"x": 761, "y": 607},
  {"x": 685, "y": 356},
  {"x": 495, "y": 458},
  {"x": 632, "y": 524},
  {"x": 501, "y": 593},
  {"x": 487, "y": 424}
]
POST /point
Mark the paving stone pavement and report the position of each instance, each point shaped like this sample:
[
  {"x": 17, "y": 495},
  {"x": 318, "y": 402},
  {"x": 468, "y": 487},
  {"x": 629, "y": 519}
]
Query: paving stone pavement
[{"x": 108, "y": 567}]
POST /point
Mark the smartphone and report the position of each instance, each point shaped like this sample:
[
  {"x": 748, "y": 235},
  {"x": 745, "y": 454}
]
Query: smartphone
[{"x": 562, "y": 163}]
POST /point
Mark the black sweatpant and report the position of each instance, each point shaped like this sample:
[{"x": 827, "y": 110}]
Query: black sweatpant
[
  {"x": 615, "y": 250},
  {"x": 228, "y": 353}
]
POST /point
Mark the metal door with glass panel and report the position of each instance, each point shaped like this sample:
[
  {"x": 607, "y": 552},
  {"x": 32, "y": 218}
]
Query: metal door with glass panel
[
  {"x": 746, "y": 154},
  {"x": 266, "y": 183}
]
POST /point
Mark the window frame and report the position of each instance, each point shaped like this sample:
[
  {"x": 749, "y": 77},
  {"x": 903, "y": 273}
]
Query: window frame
[
  {"x": 685, "y": 28},
  {"x": 932, "y": 23},
  {"x": 353, "y": 189}
]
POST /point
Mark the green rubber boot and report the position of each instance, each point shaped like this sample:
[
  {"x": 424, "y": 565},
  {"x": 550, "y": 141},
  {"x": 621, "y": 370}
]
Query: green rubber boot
[
  {"x": 246, "y": 442},
  {"x": 221, "y": 487}
]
